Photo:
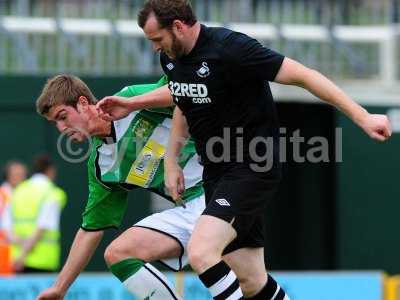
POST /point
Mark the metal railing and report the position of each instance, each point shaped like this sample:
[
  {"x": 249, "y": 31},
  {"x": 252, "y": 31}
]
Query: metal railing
[
  {"x": 344, "y": 12},
  {"x": 100, "y": 37}
]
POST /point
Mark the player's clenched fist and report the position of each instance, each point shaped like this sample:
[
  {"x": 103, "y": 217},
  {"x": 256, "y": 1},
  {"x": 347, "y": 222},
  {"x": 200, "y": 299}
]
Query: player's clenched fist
[
  {"x": 174, "y": 181},
  {"x": 377, "y": 127}
]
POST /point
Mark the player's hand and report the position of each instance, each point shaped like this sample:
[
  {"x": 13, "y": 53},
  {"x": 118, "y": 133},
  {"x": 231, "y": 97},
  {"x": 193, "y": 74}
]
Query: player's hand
[
  {"x": 175, "y": 181},
  {"x": 51, "y": 294},
  {"x": 113, "y": 108},
  {"x": 377, "y": 127}
]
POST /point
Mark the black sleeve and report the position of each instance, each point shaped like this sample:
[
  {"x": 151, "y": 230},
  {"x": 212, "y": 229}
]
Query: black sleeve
[{"x": 248, "y": 59}]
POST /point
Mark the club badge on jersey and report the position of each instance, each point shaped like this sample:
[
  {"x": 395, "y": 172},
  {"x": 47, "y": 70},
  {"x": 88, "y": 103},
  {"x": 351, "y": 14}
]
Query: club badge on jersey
[{"x": 204, "y": 71}]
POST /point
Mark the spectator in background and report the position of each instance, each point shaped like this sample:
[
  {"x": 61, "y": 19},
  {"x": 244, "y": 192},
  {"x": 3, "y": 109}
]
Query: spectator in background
[
  {"x": 34, "y": 216},
  {"x": 14, "y": 173}
]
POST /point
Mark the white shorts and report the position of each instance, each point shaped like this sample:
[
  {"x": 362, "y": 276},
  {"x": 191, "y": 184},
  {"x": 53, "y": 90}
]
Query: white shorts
[{"x": 178, "y": 223}]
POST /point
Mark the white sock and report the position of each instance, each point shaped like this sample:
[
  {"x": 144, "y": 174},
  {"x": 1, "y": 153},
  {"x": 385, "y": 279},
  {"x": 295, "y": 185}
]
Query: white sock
[{"x": 150, "y": 284}]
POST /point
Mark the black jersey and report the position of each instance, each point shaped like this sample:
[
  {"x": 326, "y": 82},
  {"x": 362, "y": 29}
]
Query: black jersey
[{"x": 222, "y": 88}]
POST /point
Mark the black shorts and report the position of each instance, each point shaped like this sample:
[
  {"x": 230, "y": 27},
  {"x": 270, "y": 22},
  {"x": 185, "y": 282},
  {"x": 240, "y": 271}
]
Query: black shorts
[{"x": 235, "y": 192}]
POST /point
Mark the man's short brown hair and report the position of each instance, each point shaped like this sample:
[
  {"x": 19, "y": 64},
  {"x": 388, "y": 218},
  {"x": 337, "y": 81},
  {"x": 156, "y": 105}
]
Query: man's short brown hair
[
  {"x": 42, "y": 163},
  {"x": 166, "y": 11},
  {"x": 62, "y": 89}
]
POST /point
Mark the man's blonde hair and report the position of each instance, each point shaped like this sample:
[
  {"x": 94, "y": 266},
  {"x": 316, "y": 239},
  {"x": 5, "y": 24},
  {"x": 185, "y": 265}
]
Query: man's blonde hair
[{"x": 62, "y": 89}]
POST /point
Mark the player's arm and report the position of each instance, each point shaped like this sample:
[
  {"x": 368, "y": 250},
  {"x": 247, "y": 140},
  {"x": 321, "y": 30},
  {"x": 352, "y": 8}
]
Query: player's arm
[
  {"x": 251, "y": 60},
  {"x": 82, "y": 249},
  {"x": 104, "y": 209},
  {"x": 174, "y": 179},
  {"x": 294, "y": 73},
  {"x": 119, "y": 106}
]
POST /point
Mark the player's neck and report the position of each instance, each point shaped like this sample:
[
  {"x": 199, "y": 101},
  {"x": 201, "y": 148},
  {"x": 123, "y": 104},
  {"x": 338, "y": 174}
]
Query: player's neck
[
  {"x": 193, "y": 36},
  {"x": 101, "y": 128}
]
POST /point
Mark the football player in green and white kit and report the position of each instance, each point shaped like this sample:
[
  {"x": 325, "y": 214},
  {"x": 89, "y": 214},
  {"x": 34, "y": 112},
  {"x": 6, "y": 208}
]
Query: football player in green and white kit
[{"x": 125, "y": 154}]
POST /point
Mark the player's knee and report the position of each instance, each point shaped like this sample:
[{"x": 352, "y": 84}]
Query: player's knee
[
  {"x": 111, "y": 255},
  {"x": 197, "y": 261},
  {"x": 115, "y": 252},
  {"x": 202, "y": 258}
]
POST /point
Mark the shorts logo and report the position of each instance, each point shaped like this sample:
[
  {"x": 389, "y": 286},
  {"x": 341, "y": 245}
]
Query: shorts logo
[
  {"x": 222, "y": 202},
  {"x": 150, "y": 296},
  {"x": 204, "y": 71},
  {"x": 170, "y": 66}
]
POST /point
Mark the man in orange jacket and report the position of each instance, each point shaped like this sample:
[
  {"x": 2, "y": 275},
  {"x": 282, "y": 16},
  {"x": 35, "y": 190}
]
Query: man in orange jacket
[{"x": 14, "y": 173}]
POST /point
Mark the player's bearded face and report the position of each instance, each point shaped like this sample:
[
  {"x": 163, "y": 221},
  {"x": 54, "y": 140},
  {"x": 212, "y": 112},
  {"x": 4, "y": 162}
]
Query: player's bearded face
[
  {"x": 176, "y": 49},
  {"x": 163, "y": 39}
]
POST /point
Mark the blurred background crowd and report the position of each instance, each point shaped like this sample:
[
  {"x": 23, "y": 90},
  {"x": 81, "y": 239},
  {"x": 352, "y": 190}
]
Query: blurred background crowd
[{"x": 107, "y": 45}]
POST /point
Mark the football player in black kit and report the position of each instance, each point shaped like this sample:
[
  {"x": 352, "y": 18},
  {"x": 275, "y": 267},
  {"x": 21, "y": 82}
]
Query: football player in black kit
[{"x": 218, "y": 80}]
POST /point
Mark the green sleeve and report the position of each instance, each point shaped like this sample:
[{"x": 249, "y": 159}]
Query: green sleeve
[
  {"x": 139, "y": 89},
  {"x": 105, "y": 207}
]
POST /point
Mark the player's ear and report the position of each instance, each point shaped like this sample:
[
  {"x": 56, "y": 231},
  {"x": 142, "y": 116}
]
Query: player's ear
[
  {"x": 82, "y": 104},
  {"x": 178, "y": 27}
]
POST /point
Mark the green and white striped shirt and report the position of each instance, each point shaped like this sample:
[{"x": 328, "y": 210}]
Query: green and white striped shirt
[{"x": 133, "y": 157}]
